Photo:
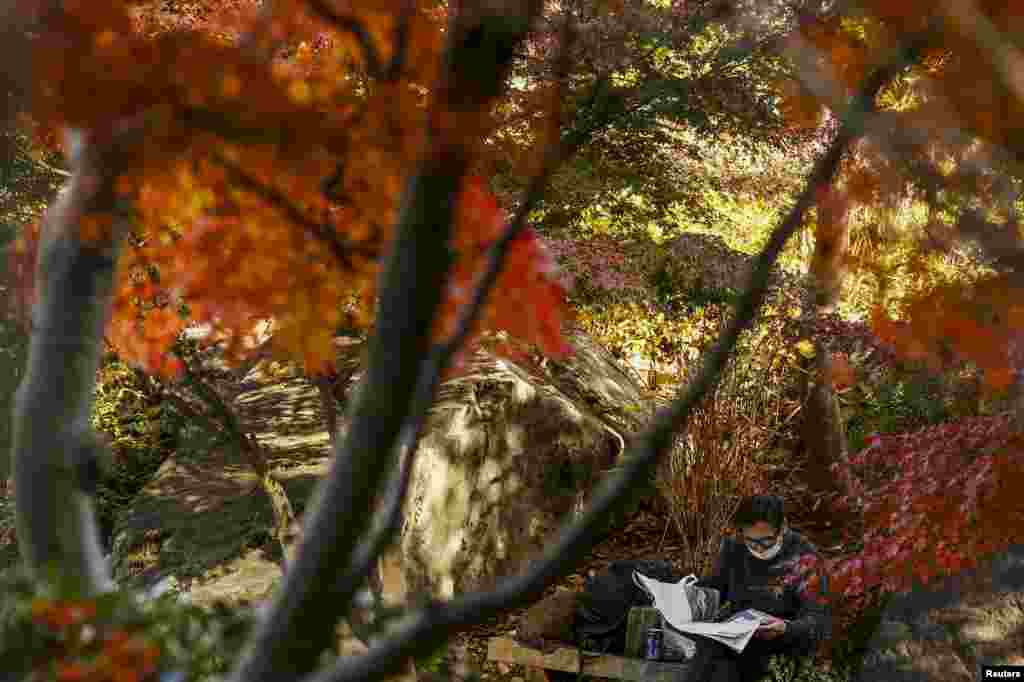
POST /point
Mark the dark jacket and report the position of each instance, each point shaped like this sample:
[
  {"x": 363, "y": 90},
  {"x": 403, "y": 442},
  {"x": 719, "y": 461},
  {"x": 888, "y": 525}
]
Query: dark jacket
[{"x": 751, "y": 583}]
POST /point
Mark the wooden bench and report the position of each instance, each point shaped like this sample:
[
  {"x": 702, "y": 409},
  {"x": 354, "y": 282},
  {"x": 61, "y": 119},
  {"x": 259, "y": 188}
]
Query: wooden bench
[
  {"x": 572, "y": 660},
  {"x": 567, "y": 658}
]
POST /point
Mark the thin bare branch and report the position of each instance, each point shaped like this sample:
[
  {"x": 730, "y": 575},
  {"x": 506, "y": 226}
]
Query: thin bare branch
[
  {"x": 51, "y": 169},
  {"x": 350, "y": 24},
  {"x": 186, "y": 410},
  {"x": 394, "y": 69},
  {"x": 340, "y": 248},
  {"x": 428, "y": 627}
]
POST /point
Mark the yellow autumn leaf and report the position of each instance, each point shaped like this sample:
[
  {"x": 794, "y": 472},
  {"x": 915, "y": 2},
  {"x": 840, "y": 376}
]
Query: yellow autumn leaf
[{"x": 805, "y": 348}]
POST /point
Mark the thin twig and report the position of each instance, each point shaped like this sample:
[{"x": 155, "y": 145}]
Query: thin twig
[
  {"x": 397, "y": 63},
  {"x": 52, "y": 169},
  {"x": 186, "y": 410},
  {"x": 389, "y": 75},
  {"x": 350, "y": 24},
  {"x": 340, "y": 248}
]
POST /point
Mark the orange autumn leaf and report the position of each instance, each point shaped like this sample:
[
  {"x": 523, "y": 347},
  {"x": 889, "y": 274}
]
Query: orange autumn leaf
[
  {"x": 62, "y": 614},
  {"x": 800, "y": 109},
  {"x": 74, "y": 671},
  {"x": 1000, "y": 378},
  {"x": 841, "y": 373},
  {"x": 528, "y": 300}
]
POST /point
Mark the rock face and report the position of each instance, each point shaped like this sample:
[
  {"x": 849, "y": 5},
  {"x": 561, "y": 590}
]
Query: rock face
[
  {"x": 509, "y": 449},
  {"x": 509, "y": 452},
  {"x": 948, "y": 633}
]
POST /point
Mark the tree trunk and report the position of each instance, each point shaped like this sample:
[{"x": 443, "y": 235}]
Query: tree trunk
[
  {"x": 823, "y": 433},
  {"x": 54, "y": 448},
  {"x": 224, "y": 420},
  {"x": 285, "y": 524},
  {"x": 325, "y": 387}
]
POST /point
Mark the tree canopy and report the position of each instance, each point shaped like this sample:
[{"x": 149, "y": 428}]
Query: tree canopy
[{"x": 328, "y": 164}]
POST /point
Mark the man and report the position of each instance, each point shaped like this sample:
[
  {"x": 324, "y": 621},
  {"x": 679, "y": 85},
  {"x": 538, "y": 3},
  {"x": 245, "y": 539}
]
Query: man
[{"x": 760, "y": 569}]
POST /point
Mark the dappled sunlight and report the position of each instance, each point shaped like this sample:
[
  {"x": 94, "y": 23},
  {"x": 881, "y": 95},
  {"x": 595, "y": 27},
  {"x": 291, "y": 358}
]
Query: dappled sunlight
[
  {"x": 524, "y": 392},
  {"x": 461, "y": 431},
  {"x": 515, "y": 439},
  {"x": 511, "y": 449}
]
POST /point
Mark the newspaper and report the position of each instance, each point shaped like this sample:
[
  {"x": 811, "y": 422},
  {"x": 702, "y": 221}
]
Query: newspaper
[
  {"x": 734, "y": 632},
  {"x": 673, "y": 601}
]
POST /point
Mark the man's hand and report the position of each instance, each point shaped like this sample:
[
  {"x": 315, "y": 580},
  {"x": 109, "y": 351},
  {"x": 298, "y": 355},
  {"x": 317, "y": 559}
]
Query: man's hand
[{"x": 771, "y": 630}]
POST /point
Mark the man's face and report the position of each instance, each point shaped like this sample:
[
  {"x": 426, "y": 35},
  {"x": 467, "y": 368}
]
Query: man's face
[{"x": 760, "y": 537}]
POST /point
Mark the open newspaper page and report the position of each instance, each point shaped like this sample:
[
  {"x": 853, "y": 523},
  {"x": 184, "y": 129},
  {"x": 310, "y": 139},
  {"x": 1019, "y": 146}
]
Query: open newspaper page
[
  {"x": 734, "y": 632},
  {"x": 672, "y": 601}
]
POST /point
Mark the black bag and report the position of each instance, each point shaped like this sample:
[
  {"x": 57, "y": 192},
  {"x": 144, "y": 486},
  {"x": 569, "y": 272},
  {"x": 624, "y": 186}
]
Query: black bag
[{"x": 602, "y": 610}]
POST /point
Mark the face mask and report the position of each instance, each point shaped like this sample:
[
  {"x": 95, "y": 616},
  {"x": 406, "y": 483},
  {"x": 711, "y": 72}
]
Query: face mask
[{"x": 770, "y": 553}]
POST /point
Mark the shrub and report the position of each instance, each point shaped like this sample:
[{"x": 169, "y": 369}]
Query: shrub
[
  {"x": 716, "y": 461},
  {"x": 140, "y": 434},
  {"x": 50, "y": 632},
  {"x": 901, "y": 401},
  {"x": 914, "y": 529}
]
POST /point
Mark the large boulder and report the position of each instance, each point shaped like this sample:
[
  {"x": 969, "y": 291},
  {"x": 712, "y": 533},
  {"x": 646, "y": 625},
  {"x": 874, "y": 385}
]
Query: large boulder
[{"x": 509, "y": 449}]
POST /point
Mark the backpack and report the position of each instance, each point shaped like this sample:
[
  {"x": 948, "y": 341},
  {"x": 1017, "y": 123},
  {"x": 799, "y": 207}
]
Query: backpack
[{"x": 602, "y": 609}]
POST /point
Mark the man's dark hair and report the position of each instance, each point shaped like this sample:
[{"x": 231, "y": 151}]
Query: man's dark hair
[{"x": 756, "y": 508}]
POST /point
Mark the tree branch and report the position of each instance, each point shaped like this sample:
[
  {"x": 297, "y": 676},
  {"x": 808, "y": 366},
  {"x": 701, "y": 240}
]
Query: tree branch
[
  {"x": 386, "y": 521},
  {"x": 387, "y": 518},
  {"x": 340, "y": 248},
  {"x": 428, "y": 627},
  {"x": 186, "y": 410},
  {"x": 440, "y": 358},
  {"x": 350, "y": 24},
  {"x": 53, "y": 444},
  {"x": 301, "y": 619},
  {"x": 557, "y": 152},
  {"x": 397, "y": 63},
  {"x": 390, "y": 74},
  {"x": 283, "y": 514},
  {"x": 51, "y": 169}
]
